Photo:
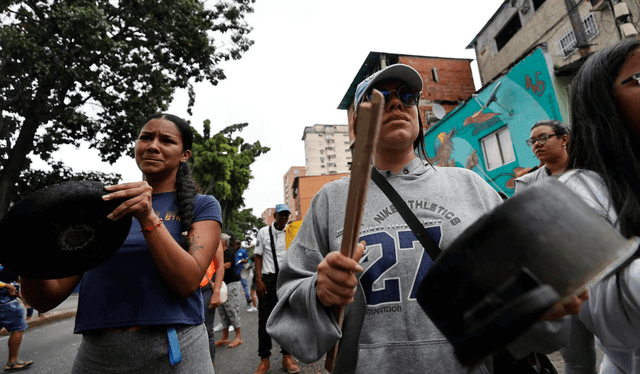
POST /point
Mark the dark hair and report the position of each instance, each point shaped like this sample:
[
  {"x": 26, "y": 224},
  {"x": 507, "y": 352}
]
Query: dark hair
[
  {"x": 558, "y": 127},
  {"x": 186, "y": 188},
  {"x": 601, "y": 139}
]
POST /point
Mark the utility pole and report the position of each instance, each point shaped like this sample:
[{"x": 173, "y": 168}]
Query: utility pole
[{"x": 578, "y": 27}]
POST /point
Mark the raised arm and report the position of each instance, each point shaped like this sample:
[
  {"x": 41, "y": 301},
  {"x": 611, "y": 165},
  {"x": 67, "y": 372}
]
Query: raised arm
[{"x": 183, "y": 271}]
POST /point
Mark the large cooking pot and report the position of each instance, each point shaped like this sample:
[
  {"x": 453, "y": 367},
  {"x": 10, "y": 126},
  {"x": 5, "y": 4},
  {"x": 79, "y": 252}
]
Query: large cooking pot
[
  {"x": 497, "y": 278},
  {"x": 61, "y": 230}
]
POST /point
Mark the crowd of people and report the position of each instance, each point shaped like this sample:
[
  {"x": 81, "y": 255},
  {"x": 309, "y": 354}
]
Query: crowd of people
[{"x": 151, "y": 307}]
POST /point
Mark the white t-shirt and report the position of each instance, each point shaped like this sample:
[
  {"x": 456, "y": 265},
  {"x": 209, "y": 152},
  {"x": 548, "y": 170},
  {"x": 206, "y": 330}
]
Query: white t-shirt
[{"x": 263, "y": 248}]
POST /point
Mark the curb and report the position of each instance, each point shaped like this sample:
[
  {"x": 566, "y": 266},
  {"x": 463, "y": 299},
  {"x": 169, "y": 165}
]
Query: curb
[{"x": 50, "y": 317}]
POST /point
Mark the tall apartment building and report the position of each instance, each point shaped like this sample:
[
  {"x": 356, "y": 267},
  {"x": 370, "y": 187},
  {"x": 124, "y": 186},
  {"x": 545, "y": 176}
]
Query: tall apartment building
[
  {"x": 326, "y": 149},
  {"x": 289, "y": 197}
]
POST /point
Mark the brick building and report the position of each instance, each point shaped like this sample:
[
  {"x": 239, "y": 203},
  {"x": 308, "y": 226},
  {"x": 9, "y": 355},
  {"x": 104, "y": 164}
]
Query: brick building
[
  {"x": 267, "y": 215},
  {"x": 447, "y": 81},
  {"x": 293, "y": 173},
  {"x": 304, "y": 189}
]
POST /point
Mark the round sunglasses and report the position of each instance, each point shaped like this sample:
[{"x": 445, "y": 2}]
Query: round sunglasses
[{"x": 408, "y": 95}]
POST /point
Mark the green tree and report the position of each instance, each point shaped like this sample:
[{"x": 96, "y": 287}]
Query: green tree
[
  {"x": 243, "y": 224},
  {"x": 220, "y": 165},
  {"x": 32, "y": 180},
  {"x": 81, "y": 70}
]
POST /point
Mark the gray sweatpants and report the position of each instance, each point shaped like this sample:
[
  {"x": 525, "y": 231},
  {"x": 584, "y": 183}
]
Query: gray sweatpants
[{"x": 143, "y": 351}]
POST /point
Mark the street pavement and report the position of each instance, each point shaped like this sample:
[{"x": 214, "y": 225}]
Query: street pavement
[{"x": 240, "y": 360}]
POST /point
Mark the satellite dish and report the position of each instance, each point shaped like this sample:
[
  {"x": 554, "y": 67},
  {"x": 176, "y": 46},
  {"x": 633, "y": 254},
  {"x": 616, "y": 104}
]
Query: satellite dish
[
  {"x": 493, "y": 94},
  {"x": 438, "y": 110}
]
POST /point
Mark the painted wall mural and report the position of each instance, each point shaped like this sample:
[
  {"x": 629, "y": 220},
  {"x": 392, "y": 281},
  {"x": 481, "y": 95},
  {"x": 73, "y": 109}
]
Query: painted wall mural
[{"x": 489, "y": 136}]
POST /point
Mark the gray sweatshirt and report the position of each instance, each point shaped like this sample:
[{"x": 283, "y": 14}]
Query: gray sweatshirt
[
  {"x": 385, "y": 330},
  {"x": 603, "y": 313}
]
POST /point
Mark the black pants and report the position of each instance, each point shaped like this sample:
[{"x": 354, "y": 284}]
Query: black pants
[{"x": 265, "y": 306}]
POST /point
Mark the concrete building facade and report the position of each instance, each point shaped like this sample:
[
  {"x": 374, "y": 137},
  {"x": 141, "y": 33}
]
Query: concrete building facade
[
  {"x": 520, "y": 25},
  {"x": 326, "y": 149}
]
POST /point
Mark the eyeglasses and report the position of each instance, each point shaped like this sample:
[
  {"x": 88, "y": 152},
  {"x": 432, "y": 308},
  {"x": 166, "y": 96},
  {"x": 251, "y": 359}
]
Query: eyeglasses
[
  {"x": 408, "y": 95},
  {"x": 542, "y": 139},
  {"x": 636, "y": 76}
]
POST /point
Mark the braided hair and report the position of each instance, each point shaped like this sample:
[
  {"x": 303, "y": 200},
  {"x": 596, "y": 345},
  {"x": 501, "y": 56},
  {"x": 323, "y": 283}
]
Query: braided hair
[{"x": 186, "y": 188}]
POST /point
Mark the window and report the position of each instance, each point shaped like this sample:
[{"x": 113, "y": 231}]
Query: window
[
  {"x": 508, "y": 31},
  {"x": 537, "y": 4},
  {"x": 567, "y": 43},
  {"x": 331, "y": 164},
  {"x": 498, "y": 149},
  {"x": 434, "y": 74}
]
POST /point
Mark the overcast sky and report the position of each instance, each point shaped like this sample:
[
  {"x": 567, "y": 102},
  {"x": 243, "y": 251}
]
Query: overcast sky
[{"x": 306, "y": 53}]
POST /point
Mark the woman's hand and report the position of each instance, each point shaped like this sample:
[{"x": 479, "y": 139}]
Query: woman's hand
[
  {"x": 137, "y": 196},
  {"x": 215, "y": 300},
  {"x": 337, "y": 277},
  {"x": 563, "y": 308}
]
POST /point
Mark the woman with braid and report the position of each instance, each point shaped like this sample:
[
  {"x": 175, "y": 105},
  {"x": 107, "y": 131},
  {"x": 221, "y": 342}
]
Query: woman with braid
[{"x": 141, "y": 310}]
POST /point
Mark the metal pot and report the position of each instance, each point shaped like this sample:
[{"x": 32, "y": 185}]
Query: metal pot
[{"x": 497, "y": 278}]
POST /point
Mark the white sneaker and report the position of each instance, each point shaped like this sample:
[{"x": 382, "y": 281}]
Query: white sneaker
[
  {"x": 219, "y": 328},
  {"x": 252, "y": 309}
]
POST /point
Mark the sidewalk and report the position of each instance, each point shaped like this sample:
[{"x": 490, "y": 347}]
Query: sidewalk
[{"x": 65, "y": 310}]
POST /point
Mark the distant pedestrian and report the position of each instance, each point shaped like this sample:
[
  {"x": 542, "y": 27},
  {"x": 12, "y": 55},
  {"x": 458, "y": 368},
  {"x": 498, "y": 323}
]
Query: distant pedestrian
[
  {"x": 210, "y": 287},
  {"x": 229, "y": 310},
  {"x": 242, "y": 258},
  {"x": 12, "y": 319},
  {"x": 270, "y": 251},
  {"x": 254, "y": 297}
]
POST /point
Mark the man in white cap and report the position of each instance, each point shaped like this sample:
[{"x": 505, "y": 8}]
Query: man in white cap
[
  {"x": 270, "y": 251},
  {"x": 385, "y": 330}
]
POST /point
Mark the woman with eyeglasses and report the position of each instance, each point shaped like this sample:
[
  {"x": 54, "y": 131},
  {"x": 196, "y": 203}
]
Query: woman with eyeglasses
[
  {"x": 549, "y": 139},
  {"x": 604, "y": 156}
]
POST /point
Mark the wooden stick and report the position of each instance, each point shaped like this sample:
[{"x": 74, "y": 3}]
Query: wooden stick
[{"x": 368, "y": 127}]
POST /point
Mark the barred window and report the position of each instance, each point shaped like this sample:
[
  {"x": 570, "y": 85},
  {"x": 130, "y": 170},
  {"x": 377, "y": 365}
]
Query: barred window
[{"x": 567, "y": 43}]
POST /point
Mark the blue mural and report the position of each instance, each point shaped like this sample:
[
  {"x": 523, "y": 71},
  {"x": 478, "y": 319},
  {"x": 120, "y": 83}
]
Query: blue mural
[{"x": 523, "y": 96}]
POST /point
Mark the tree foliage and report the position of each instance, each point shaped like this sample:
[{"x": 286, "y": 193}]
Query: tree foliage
[
  {"x": 92, "y": 71},
  {"x": 33, "y": 180},
  {"x": 220, "y": 165},
  {"x": 243, "y": 224}
]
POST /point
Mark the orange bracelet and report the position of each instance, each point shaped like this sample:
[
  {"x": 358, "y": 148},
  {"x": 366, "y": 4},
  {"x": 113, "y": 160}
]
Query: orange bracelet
[{"x": 149, "y": 228}]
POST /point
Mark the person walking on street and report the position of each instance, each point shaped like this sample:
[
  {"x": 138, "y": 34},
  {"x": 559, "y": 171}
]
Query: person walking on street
[
  {"x": 270, "y": 252},
  {"x": 211, "y": 297},
  {"x": 229, "y": 310},
  {"x": 254, "y": 296},
  {"x": 12, "y": 319},
  {"x": 242, "y": 258}
]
